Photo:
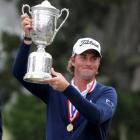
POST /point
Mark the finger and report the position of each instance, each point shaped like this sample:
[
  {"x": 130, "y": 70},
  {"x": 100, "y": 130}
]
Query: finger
[
  {"x": 26, "y": 21},
  {"x": 26, "y": 24},
  {"x": 51, "y": 81},
  {"x": 54, "y": 73},
  {"x": 24, "y": 16}
]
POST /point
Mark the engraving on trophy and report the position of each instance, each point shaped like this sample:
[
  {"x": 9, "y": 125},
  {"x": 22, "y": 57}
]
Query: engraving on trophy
[{"x": 44, "y": 29}]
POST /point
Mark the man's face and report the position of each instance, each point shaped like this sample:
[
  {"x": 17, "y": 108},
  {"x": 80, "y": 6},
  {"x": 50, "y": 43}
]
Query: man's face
[{"x": 86, "y": 65}]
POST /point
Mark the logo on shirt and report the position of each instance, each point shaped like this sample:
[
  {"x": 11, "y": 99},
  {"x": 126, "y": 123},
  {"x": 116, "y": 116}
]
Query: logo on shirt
[{"x": 110, "y": 103}]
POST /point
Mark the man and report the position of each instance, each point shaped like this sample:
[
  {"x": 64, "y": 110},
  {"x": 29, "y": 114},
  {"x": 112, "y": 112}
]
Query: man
[{"x": 78, "y": 110}]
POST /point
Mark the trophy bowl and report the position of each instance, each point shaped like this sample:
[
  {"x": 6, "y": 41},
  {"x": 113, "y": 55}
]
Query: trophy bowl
[{"x": 44, "y": 29}]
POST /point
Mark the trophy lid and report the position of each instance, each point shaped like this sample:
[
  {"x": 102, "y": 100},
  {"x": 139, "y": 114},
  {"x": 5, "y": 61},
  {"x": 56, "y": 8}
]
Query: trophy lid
[{"x": 46, "y": 5}]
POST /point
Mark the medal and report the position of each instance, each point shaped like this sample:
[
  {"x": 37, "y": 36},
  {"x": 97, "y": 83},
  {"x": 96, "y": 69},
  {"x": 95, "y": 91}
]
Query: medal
[
  {"x": 70, "y": 127},
  {"x": 72, "y": 111}
]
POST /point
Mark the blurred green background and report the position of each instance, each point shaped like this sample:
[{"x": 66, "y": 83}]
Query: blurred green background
[{"x": 114, "y": 23}]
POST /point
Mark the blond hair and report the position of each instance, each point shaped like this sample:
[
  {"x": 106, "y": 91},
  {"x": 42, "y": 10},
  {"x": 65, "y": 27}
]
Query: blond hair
[{"x": 70, "y": 67}]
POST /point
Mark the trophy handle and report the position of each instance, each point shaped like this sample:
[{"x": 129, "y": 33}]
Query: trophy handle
[
  {"x": 26, "y": 6},
  {"x": 67, "y": 11}
]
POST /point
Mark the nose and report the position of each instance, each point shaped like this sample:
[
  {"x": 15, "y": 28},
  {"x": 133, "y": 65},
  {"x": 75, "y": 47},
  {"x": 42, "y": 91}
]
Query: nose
[{"x": 88, "y": 62}]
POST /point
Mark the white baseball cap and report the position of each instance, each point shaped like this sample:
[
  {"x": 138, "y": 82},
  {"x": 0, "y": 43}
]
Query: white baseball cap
[{"x": 84, "y": 44}]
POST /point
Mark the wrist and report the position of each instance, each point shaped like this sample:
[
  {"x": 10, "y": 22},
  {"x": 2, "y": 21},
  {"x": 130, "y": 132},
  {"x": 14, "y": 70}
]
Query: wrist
[{"x": 65, "y": 86}]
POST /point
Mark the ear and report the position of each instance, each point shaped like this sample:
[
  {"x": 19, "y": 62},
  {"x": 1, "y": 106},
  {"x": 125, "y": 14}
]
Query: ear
[
  {"x": 99, "y": 63},
  {"x": 72, "y": 59}
]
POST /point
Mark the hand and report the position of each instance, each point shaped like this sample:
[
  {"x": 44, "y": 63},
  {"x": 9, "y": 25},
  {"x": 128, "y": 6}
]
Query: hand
[
  {"x": 26, "y": 23},
  {"x": 57, "y": 82}
]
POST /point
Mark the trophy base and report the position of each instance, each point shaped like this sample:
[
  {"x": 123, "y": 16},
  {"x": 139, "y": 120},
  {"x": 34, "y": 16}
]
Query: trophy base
[{"x": 39, "y": 78}]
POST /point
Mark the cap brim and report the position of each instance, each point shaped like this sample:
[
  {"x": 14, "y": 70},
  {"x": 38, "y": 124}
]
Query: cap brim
[{"x": 89, "y": 48}]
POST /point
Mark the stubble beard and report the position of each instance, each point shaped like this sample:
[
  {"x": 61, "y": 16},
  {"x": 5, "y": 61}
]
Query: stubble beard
[{"x": 86, "y": 76}]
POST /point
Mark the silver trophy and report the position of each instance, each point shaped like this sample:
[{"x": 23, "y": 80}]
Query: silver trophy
[{"x": 44, "y": 23}]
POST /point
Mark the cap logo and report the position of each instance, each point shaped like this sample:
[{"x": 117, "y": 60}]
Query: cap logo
[{"x": 83, "y": 42}]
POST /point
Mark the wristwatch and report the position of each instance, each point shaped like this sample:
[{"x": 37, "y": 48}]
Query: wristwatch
[{"x": 27, "y": 38}]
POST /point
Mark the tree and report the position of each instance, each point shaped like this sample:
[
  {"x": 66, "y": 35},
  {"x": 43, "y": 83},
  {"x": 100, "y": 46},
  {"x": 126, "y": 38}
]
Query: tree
[{"x": 26, "y": 118}]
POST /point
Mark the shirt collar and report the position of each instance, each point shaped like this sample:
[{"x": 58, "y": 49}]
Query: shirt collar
[{"x": 90, "y": 86}]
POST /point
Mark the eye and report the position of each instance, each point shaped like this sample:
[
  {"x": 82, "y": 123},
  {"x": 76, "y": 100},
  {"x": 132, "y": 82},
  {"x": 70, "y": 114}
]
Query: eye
[
  {"x": 82, "y": 56},
  {"x": 94, "y": 57}
]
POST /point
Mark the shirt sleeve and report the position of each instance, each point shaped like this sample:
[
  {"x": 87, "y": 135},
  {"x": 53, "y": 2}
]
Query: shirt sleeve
[
  {"x": 19, "y": 69},
  {"x": 96, "y": 112}
]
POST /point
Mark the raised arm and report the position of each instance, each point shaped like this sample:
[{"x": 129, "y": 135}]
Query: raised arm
[{"x": 20, "y": 62}]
